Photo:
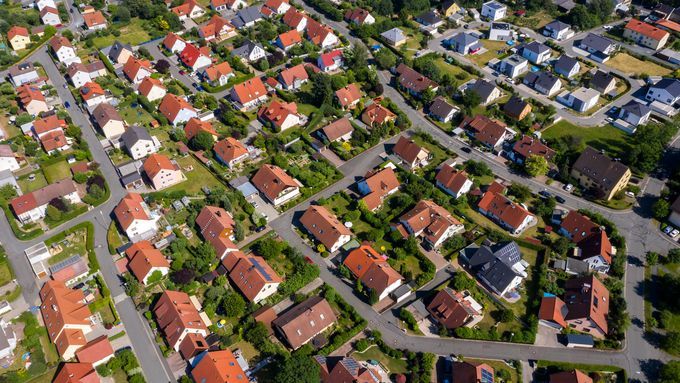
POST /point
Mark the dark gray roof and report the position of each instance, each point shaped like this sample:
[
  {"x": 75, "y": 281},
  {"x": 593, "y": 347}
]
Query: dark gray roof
[
  {"x": 245, "y": 16},
  {"x": 130, "y": 178},
  {"x": 497, "y": 274},
  {"x": 464, "y": 39},
  {"x": 428, "y": 18},
  {"x": 601, "y": 80},
  {"x": 507, "y": 252},
  {"x": 546, "y": 80},
  {"x": 557, "y": 25},
  {"x": 670, "y": 85},
  {"x": 501, "y": 26},
  {"x": 597, "y": 42},
  {"x": 599, "y": 168},
  {"x": 245, "y": 49},
  {"x": 536, "y": 47},
  {"x": 134, "y": 134},
  {"x": 483, "y": 88},
  {"x": 565, "y": 4},
  {"x": 440, "y": 107},
  {"x": 635, "y": 108},
  {"x": 514, "y": 106},
  {"x": 564, "y": 64},
  {"x": 117, "y": 48},
  {"x": 22, "y": 68}
]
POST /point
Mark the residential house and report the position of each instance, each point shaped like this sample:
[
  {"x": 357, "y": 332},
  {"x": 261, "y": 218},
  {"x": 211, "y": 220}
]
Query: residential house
[
  {"x": 359, "y": 16},
  {"x": 372, "y": 269},
  {"x": 250, "y": 52},
  {"x": 195, "y": 58},
  {"x": 66, "y": 316},
  {"x": 152, "y": 88},
  {"x": 108, "y": 120},
  {"x": 571, "y": 376},
  {"x": 513, "y": 66},
  {"x": 665, "y": 91},
  {"x": 441, "y": 110},
  {"x": 414, "y": 82},
  {"x": 79, "y": 73},
  {"x": 50, "y": 16},
  {"x": 295, "y": 19},
  {"x": 216, "y": 226},
  {"x": 634, "y": 113},
  {"x": 376, "y": 115},
  {"x": 472, "y": 372},
  {"x": 581, "y": 99},
  {"x": 249, "y": 94},
  {"x": 499, "y": 266},
  {"x": 55, "y": 141},
  {"x": 321, "y": 35},
  {"x": 411, "y": 154},
  {"x": 603, "y": 82},
  {"x": 464, "y": 43},
  {"x": 134, "y": 217},
  {"x": 452, "y": 181},
  {"x": 493, "y": 10},
  {"x": 174, "y": 43},
  {"x": 487, "y": 91},
  {"x": 230, "y": 152},
  {"x": 528, "y": 146},
  {"x": 449, "y": 8},
  {"x": 507, "y": 214},
  {"x": 536, "y": 52},
  {"x": 247, "y": 17},
  {"x": 452, "y": 309},
  {"x": 431, "y": 222},
  {"x": 558, "y": 30},
  {"x": 599, "y": 173},
  {"x": 223, "y": 5},
  {"x": 349, "y": 96},
  {"x": 674, "y": 218},
  {"x": 137, "y": 69},
  {"x": 338, "y": 130},
  {"x": 302, "y": 323},
  {"x": 501, "y": 32},
  {"x": 276, "y": 185},
  {"x": 46, "y": 125},
  {"x": 8, "y": 160},
  {"x": 23, "y": 73},
  {"x": 217, "y": 366},
  {"x": 138, "y": 142},
  {"x": 287, "y": 40},
  {"x": 179, "y": 318},
  {"x": 488, "y": 132},
  {"x": 645, "y": 34},
  {"x": 63, "y": 50},
  {"x": 567, "y": 66},
  {"x": 144, "y": 260},
  {"x": 376, "y": 186},
  {"x": 92, "y": 94},
  {"x": 599, "y": 47},
  {"x": 516, "y": 108},
  {"x": 76, "y": 373},
  {"x": 162, "y": 172},
  {"x": 189, "y": 10},
  {"x": 120, "y": 53},
  {"x": 394, "y": 37},
  {"x": 218, "y": 74},
  {"x": 217, "y": 29},
  {"x": 97, "y": 351},
  {"x": 19, "y": 37},
  {"x": 32, "y": 206},
  {"x": 251, "y": 275},
  {"x": 8, "y": 340},
  {"x": 429, "y": 19},
  {"x": 592, "y": 244},
  {"x": 32, "y": 99},
  {"x": 94, "y": 20},
  {"x": 325, "y": 227},
  {"x": 275, "y": 7},
  {"x": 294, "y": 77},
  {"x": 280, "y": 115},
  {"x": 70, "y": 271},
  {"x": 334, "y": 369},
  {"x": 176, "y": 109},
  {"x": 330, "y": 61},
  {"x": 543, "y": 82},
  {"x": 195, "y": 126}
]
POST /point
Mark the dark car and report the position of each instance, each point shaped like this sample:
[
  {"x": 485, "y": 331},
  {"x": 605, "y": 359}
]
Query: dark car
[
  {"x": 466, "y": 149},
  {"x": 67, "y": 105},
  {"x": 260, "y": 228},
  {"x": 545, "y": 193},
  {"x": 560, "y": 199},
  {"x": 182, "y": 72}
]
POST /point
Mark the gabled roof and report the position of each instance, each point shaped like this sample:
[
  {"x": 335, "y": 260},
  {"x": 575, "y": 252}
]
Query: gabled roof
[
  {"x": 429, "y": 17},
  {"x": 129, "y": 209},
  {"x": 647, "y": 30},
  {"x": 515, "y": 107},
  {"x": 293, "y": 17},
  {"x": 536, "y": 47},
  {"x": 565, "y": 63},
  {"x": 414, "y": 81},
  {"x": 329, "y": 58},
  {"x": 305, "y": 320},
  {"x": 600, "y": 168},
  {"x": 53, "y": 140},
  {"x": 246, "y": 16},
  {"x": 58, "y": 42},
  {"x": 451, "y": 179},
  {"x": 147, "y": 85},
  {"x": 346, "y": 369},
  {"x": 377, "y": 114},
  {"x": 49, "y": 123},
  {"x": 371, "y": 268},
  {"x": 246, "y": 49},
  {"x": 380, "y": 183},
  {"x": 143, "y": 257},
  {"x": 170, "y": 40},
  {"x": 407, "y": 149},
  {"x": 185, "y": 8},
  {"x": 76, "y": 373},
  {"x": 671, "y": 85},
  {"x": 190, "y": 54},
  {"x": 596, "y": 244},
  {"x": 277, "y": 112},
  {"x": 17, "y": 31},
  {"x": 94, "y": 19},
  {"x": 637, "y": 109},
  {"x": 229, "y": 149},
  {"x": 249, "y": 90},
  {"x": 171, "y": 105},
  {"x": 215, "y": 25},
  {"x": 468, "y": 372},
  {"x": 529, "y": 146},
  {"x": 62, "y": 307},
  {"x": 441, "y": 108},
  {"x": 578, "y": 226},
  {"x": 95, "y": 350},
  {"x": 464, "y": 39},
  {"x": 104, "y": 113},
  {"x": 571, "y": 376},
  {"x": 587, "y": 297},
  {"x": 42, "y": 196},
  {"x": 49, "y": 10},
  {"x": 601, "y": 80},
  {"x": 91, "y": 90},
  {"x": 348, "y": 95},
  {"x": 156, "y": 163},
  {"x": 317, "y": 32},
  {"x": 195, "y": 126},
  {"x": 290, "y": 38},
  {"x": 271, "y": 180},
  {"x": 251, "y": 274},
  {"x": 175, "y": 313},
  {"x": 337, "y": 129},
  {"x": 430, "y": 218},
  {"x": 117, "y": 48},
  {"x": 323, "y": 225},
  {"x": 553, "y": 309},
  {"x": 483, "y": 88},
  {"x": 216, "y": 226},
  {"x": 28, "y": 93},
  {"x": 557, "y": 25},
  {"x": 134, "y": 65},
  {"x": 215, "y": 71},
  {"x": 511, "y": 213},
  {"x": 134, "y": 134},
  {"x": 485, "y": 129},
  {"x": 357, "y": 15},
  {"x": 292, "y": 74},
  {"x": 597, "y": 42},
  {"x": 21, "y": 68},
  {"x": 451, "y": 309},
  {"x": 218, "y": 367}
]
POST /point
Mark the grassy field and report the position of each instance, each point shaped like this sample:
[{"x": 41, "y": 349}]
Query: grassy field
[
  {"x": 536, "y": 21},
  {"x": 196, "y": 178},
  {"x": 632, "y": 65},
  {"x": 491, "y": 52},
  {"x": 373, "y": 353},
  {"x": 5, "y": 270},
  {"x": 135, "y": 116},
  {"x": 57, "y": 172},
  {"x": 74, "y": 244},
  {"x": 28, "y": 186},
  {"x": 249, "y": 351},
  {"x": 605, "y": 137},
  {"x": 452, "y": 70},
  {"x": 133, "y": 34}
]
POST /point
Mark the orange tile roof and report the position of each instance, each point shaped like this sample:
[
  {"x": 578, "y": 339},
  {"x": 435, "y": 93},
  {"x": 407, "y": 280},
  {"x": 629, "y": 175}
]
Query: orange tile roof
[
  {"x": 94, "y": 19},
  {"x": 672, "y": 25},
  {"x": 170, "y": 40},
  {"x": 218, "y": 367},
  {"x": 17, "y": 31},
  {"x": 184, "y": 9},
  {"x": 587, "y": 297},
  {"x": 317, "y": 32},
  {"x": 155, "y": 163},
  {"x": 215, "y": 26},
  {"x": 450, "y": 178},
  {"x": 229, "y": 149},
  {"x": 251, "y": 274},
  {"x": 91, "y": 90},
  {"x": 214, "y": 72},
  {"x": 194, "y": 126},
  {"x": 28, "y": 93},
  {"x": 290, "y": 38},
  {"x": 380, "y": 183},
  {"x": 143, "y": 258},
  {"x": 171, "y": 105},
  {"x": 76, "y": 373},
  {"x": 348, "y": 95},
  {"x": 49, "y": 123},
  {"x": 511, "y": 213},
  {"x": 130, "y": 209},
  {"x": 192, "y": 345},
  {"x": 95, "y": 350},
  {"x": 376, "y": 114},
  {"x": 430, "y": 218},
  {"x": 371, "y": 268},
  {"x": 323, "y": 225},
  {"x": 147, "y": 85},
  {"x": 216, "y": 226},
  {"x": 578, "y": 226},
  {"x": 175, "y": 313},
  {"x": 271, "y": 180},
  {"x": 134, "y": 65},
  {"x": 553, "y": 309},
  {"x": 646, "y": 29},
  {"x": 249, "y": 90},
  {"x": 292, "y": 74},
  {"x": 572, "y": 376},
  {"x": 277, "y": 112},
  {"x": 61, "y": 306}
]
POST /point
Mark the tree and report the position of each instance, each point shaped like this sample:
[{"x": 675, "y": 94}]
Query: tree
[
  {"x": 53, "y": 213},
  {"x": 361, "y": 345},
  {"x": 536, "y": 165},
  {"x": 156, "y": 276},
  {"x": 122, "y": 14},
  {"x": 661, "y": 209},
  {"x": 462, "y": 282},
  {"x": 257, "y": 334},
  {"x": 322, "y": 90},
  {"x": 671, "y": 343},
  {"x": 385, "y": 58},
  {"x": 520, "y": 192},
  {"x": 298, "y": 368},
  {"x": 162, "y": 66},
  {"x": 202, "y": 141},
  {"x": 357, "y": 57},
  {"x": 233, "y": 305},
  {"x": 670, "y": 372},
  {"x": 478, "y": 168},
  {"x": 471, "y": 99},
  {"x": 652, "y": 258}
]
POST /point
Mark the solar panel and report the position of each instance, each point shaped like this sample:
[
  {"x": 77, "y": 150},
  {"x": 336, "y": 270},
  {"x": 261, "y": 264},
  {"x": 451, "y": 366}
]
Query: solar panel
[
  {"x": 487, "y": 376},
  {"x": 351, "y": 364},
  {"x": 260, "y": 269},
  {"x": 65, "y": 263}
]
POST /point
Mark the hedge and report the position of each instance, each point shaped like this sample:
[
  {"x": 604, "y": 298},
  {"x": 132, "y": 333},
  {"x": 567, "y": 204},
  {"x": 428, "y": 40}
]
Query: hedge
[
  {"x": 232, "y": 81},
  {"x": 89, "y": 242},
  {"x": 20, "y": 234},
  {"x": 43, "y": 40}
]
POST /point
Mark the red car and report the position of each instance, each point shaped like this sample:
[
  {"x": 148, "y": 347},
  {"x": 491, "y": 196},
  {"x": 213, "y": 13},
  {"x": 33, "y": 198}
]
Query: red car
[
  {"x": 309, "y": 260},
  {"x": 182, "y": 72}
]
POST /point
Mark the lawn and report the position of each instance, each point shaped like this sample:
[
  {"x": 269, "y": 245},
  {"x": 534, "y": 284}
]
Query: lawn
[
  {"x": 438, "y": 154},
  {"x": 607, "y": 137},
  {"x": 57, "y": 171},
  {"x": 491, "y": 52},
  {"x": 135, "y": 116},
  {"x": 395, "y": 365},
  {"x": 73, "y": 244},
  {"x": 452, "y": 70},
  {"x": 536, "y": 21},
  {"x": 197, "y": 178},
  {"x": 632, "y": 65},
  {"x": 28, "y": 186},
  {"x": 133, "y": 34},
  {"x": 5, "y": 270},
  {"x": 498, "y": 365},
  {"x": 249, "y": 351},
  {"x": 113, "y": 238}
]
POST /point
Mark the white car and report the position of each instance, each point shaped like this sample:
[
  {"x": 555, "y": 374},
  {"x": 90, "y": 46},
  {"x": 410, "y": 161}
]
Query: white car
[
  {"x": 630, "y": 194},
  {"x": 668, "y": 230},
  {"x": 674, "y": 233},
  {"x": 569, "y": 187}
]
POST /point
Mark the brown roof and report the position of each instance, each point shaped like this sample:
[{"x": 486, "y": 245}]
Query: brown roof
[
  {"x": 341, "y": 369},
  {"x": 192, "y": 345},
  {"x": 430, "y": 218},
  {"x": 251, "y": 274},
  {"x": 485, "y": 129},
  {"x": 511, "y": 213},
  {"x": 155, "y": 163},
  {"x": 572, "y": 376},
  {"x": 218, "y": 367},
  {"x": 57, "y": 42},
  {"x": 348, "y": 94},
  {"x": 371, "y": 268},
  {"x": 229, "y": 149},
  {"x": 216, "y": 226},
  {"x": 17, "y": 31},
  {"x": 450, "y": 309},
  {"x": 61, "y": 307},
  {"x": 271, "y": 180},
  {"x": 304, "y": 321},
  {"x": 76, "y": 373},
  {"x": 290, "y": 75},
  {"x": 143, "y": 258},
  {"x": 470, "y": 372},
  {"x": 380, "y": 183},
  {"x": 104, "y": 113},
  {"x": 277, "y": 112},
  {"x": 376, "y": 114},
  {"x": 587, "y": 297},
  {"x": 358, "y": 15},
  {"x": 578, "y": 226},
  {"x": 599, "y": 168},
  {"x": 175, "y": 313},
  {"x": 317, "y": 32},
  {"x": 130, "y": 209},
  {"x": 414, "y": 81},
  {"x": 30, "y": 201},
  {"x": 597, "y": 244},
  {"x": 293, "y": 17},
  {"x": 249, "y": 90},
  {"x": 171, "y": 105},
  {"x": 194, "y": 126},
  {"x": 323, "y": 225},
  {"x": 528, "y": 146},
  {"x": 407, "y": 149},
  {"x": 451, "y": 179},
  {"x": 553, "y": 309},
  {"x": 95, "y": 350},
  {"x": 337, "y": 129}
]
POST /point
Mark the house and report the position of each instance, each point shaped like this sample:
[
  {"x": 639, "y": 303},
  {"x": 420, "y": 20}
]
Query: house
[
  {"x": 23, "y": 73},
  {"x": 599, "y": 47},
  {"x": 178, "y": 317},
  {"x": 414, "y": 82},
  {"x": 295, "y": 19},
  {"x": 108, "y": 120},
  {"x": 174, "y": 43},
  {"x": 464, "y": 43},
  {"x": 567, "y": 66},
  {"x": 302, "y": 323},
  {"x": 472, "y": 372},
  {"x": 558, "y": 30},
  {"x": 349, "y": 96},
  {"x": 376, "y": 115},
  {"x": 665, "y": 91},
  {"x": 674, "y": 218},
  {"x": 452, "y": 309},
  {"x": 287, "y": 40},
  {"x": 249, "y": 94},
  {"x": 411, "y": 154},
  {"x": 536, "y": 52},
  {"x": 603, "y": 82},
  {"x": 216, "y": 226},
  {"x": 394, "y": 37},
  {"x": 247, "y": 17},
  {"x": 372, "y": 269},
  {"x": 528, "y": 146},
  {"x": 488, "y": 132},
  {"x": 330, "y": 61},
  {"x": 338, "y": 130},
  {"x": 53, "y": 142},
  {"x": 321, "y": 35},
  {"x": 137, "y": 69},
  {"x": 294, "y": 77},
  {"x": 8, "y": 340},
  {"x": 32, "y": 99},
  {"x": 275, "y": 184},
  {"x": 195, "y": 58},
  {"x": 8, "y": 160},
  {"x": 152, "y": 88},
  {"x": 19, "y": 37},
  {"x": 46, "y": 125},
  {"x": 596, "y": 251},
  {"x": 325, "y": 227},
  {"x": 189, "y": 10},
  {"x": 334, "y": 369},
  {"x": 94, "y": 20},
  {"x": 251, "y": 275},
  {"x": 76, "y": 373},
  {"x": 543, "y": 82},
  {"x": 581, "y": 99},
  {"x": 223, "y": 5},
  {"x": 195, "y": 126},
  {"x": 176, "y": 109},
  {"x": 217, "y": 29},
  {"x": 486, "y": 91},
  {"x": 441, "y": 110},
  {"x": 516, "y": 108},
  {"x": 71, "y": 270},
  {"x": 219, "y": 366},
  {"x": 66, "y": 316},
  {"x": 452, "y": 181},
  {"x": 138, "y": 142},
  {"x": 645, "y": 34},
  {"x": 92, "y": 94},
  {"x": 63, "y": 50},
  {"x": 135, "y": 218},
  {"x": 513, "y": 66},
  {"x": 493, "y": 10},
  {"x": 280, "y": 115},
  {"x": 449, "y": 8},
  {"x": 634, "y": 113},
  {"x": 162, "y": 172},
  {"x": 50, "y": 16},
  {"x": 250, "y": 52},
  {"x": 32, "y": 206},
  {"x": 144, "y": 260},
  {"x": 97, "y": 351},
  {"x": 230, "y": 152},
  {"x": 120, "y": 53},
  {"x": 376, "y": 186},
  {"x": 275, "y": 7},
  {"x": 498, "y": 266},
  {"x": 507, "y": 214},
  {"x": 429, "y": 20},
  {"x": 359, "y": 16},
  {"x": 501, "y": 32},
  {"x": 431, "y": 222},
  {"x": 571, "y": 376},
  {"x": 79, "y": 74},
  {"x": 601, "y": 174}
]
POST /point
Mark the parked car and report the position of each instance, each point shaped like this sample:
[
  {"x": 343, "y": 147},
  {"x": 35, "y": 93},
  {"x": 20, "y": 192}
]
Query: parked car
[
  {"x": 668, "y": 230},
  {"x": 674, "y": 233},
  {"x": 545, "y": 194},
  {"x": 569, "y": 187},
  {"x": 630, "y": 194},
  {"x": 67, "y": 105},
  {"x": 560, "y": 199},
  {"x": 466, "y": 149},
  {"x": 260, "y": 228}
]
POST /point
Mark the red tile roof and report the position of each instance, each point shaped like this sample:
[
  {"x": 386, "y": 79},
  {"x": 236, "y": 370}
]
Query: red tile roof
[
  {"x": 91, "y": 90},
  {"x": 47, "y": 124},
  {"x": 170, "y": 40},
  {"x": 528, "y": 146},
  {"x": 271, "y": 181},
  {"x": 218, "y": 367},
  {"x": 376, "y": 114},
  {"x": 296, "y": 73},
  {"x": 17, "y": 31},
  {"x": 290, "y": 38},
  {"x": 143, "y": 258},
  {"x": 94, "y": 19},
  {"x": 147, "y": 85},
  {"x": 61, "y": 307},
  {"x": 53, "y": 140},
  {"x": 328, "y": 59},
  {"x": 251, "y": 274},
  {"x": 95, "y": 350},
  {"x": 277, "y": 112},
  {"x": 229, "y": 149},
  {"x": 214, "y": 72},
  {"x": 572, "y": 376},
  {"x": 215, "y": 26},
  {"x": 293, "y": 17},
  {"x": 156, "y": 163},
  {"x": 76, "y": 373},
  {"x": 317, "y": 32},
  {"x": 587, "y": 298},
  {"x": 451, "y": 179},
  {"x": 28, "y": 93},
  {"x": 304, "y": 321},
  {"x": 171, "y": 105},
  {"x": 249, "y": 90},
  {"x": 553, "y": 309},
  {"x": 348, "y": 95},
  {"x": 357, "y": 15},
  {"x": 175, "y": 313},
  {"x": 413, "y": 80},
  {"x": 451, "y": 309},
  {"x": 407, "y": 150},
  {"x": 484, "y": 129},
  {"x": 337, "y": 129},
  {"x": 509, "y": 212},
  {"x": 185, "y": 8},
  {"x": 57, "y": 42},
  {"x": 430, "y": 219},
  {"x": 371, "y": 268},
  {"x": 323, "y": 225},
  {"x": 380, "y": 183},
  {"x": 190, "y": 54},
  {"x": 578, "y": 226},
  {"x": 194, "y": 126},
  {"x": 646, "y": 29},
  {"x": 134, "y": 65},
  {"x": 130, "y": 209},
  {"x": 42, "y": 196}
]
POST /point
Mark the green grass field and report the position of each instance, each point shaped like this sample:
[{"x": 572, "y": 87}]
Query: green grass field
[
  {"x": 28, "y": 186},
  {"x": 5, "y": 270},
  {"x": 491, "y": 52},
  {"x": 133, "y": 34},
  {"x": 75, "y": 245},
  {"x": 196, "y": 178},
  {"x": 57, "y": 172},
  {"x": 605, "y": 137},
  {"x": 395, "y": 366},
  {"x": 452, "y": 70}
]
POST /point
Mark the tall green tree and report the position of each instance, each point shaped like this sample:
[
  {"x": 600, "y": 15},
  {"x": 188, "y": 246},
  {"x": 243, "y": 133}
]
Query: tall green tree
[{"x": 298, "y": 368}]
